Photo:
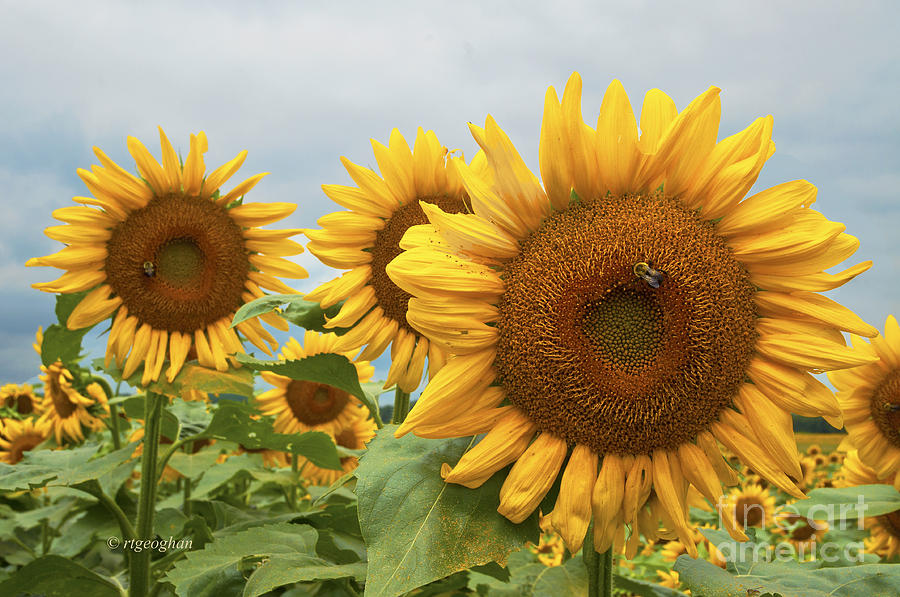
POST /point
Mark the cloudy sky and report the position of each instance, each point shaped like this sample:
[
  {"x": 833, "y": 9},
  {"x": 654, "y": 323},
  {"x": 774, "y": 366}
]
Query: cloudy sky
[{"x": 299, "y": 86}]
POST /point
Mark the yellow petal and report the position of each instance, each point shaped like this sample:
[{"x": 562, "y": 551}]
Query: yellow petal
[
  {"x": 531, "y": 477},
  {"x": 93, "y": 308},
  {"x": 194, "y": 168},
  {"x": 689, "y": 139},
  {"x": 617, "y": 150},
  {"x": 220, "y": 175},
  {"x": 773, "y": 428},
  {"x": 241, "y": 189},
  {"x": 359, "y": 201},
  {"x": 74, "y": 281},
  {"x": 171, "y": 167},
  {"x": 819, "y": 282},
  {"x": 767, "y": 209},
  {"x": 277, "y": 266},
  {"x": 502, "y": 445},
  {"x": 457, "y": 325},
  {"x": 425, "y": 272},
  {"x": 260, "y": 214},
  {"x": 816, "y": 306},
  {"x": 148, "y": 166},
  {"x": 69, "y": 233},
  {"x": 809, "y": 352},
  {"x": 471, "y": 234}
]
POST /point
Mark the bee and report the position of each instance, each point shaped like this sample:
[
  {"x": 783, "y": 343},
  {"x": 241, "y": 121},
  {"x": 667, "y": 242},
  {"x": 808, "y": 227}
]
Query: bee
[
  {"x": 890, "y": 407},
  {"x": 645, "y": 271},
  {"x": 149, "y": 269}
]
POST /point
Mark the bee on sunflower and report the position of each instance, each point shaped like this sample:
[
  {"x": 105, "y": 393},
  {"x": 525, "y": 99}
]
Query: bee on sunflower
[{"x": 559, "y": 343}]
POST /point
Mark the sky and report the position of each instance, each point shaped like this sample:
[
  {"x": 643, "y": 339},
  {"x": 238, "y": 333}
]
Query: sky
[{"x": 301, "y": 84}]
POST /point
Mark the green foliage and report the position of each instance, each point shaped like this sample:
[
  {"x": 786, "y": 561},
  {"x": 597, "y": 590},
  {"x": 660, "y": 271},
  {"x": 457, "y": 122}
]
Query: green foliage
[
  {"x": 56, "y": 576},
  {"x": 74, "y": 467},
  {"x": 300, "y": 312},
  {"x": 272, "y": 555},
  {"x": 644, "y": 588},
  {"x": 60, "y": 343},
  {"x": 330, "y": 369},
  {"x": 790, "y": 578},
  {"x": 232, "y": 421},
  {"x": 419, "y": 529},
  {"x": 844, "y": 503},
  {"x": 191, "y": 377},
  {"x": 528, "y": 576}
]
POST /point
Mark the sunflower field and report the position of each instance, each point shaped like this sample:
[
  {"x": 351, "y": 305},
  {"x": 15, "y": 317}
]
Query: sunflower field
[{"x": 597, "y": 370}]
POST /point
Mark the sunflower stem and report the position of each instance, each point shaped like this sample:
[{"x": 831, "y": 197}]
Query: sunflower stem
[
  {"x": 295, "y": 469},
  {"x": 599, "y": 567},
  {"x": 140, "y": 561},
  {"x": 401, "y": 406},
  {"x": 113, "y": 411}
]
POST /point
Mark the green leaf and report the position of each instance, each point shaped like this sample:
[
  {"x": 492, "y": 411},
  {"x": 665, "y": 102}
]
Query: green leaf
[
  {"x": 194, "y": 465},
  {"x": 418, "y": 528},
  {"x": 790, "y": 578},
  {"x": 642, "y": 588},
  {"x": 71, "y": 467},
  {"x": 330, "y": 369},
  {"x": 232, "y": 421},
  {"x": 372, "y": 391},
  {"x": 288, "y": 552},
  {"x": 528, "y": 576},
  {"x": 848, "y": 503},
  {"x": 61, "y": 344},
  {"x": 260, "y": 306},
  {"x": 55, "y": 576},
  {"x": 191, "y": 377}
]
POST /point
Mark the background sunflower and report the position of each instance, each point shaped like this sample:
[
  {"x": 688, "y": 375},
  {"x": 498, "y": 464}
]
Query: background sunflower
[{"x": 170, "y": 258}]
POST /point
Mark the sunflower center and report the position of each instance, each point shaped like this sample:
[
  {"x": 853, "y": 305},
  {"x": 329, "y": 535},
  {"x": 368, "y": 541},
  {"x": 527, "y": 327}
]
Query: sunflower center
[
  {"x": 803, "y": 531},
  {"x": 314, "y": 403},
  {"x": 347, "y": 439},
  {"x": 891, "y": 523},
  {"x": 21, "y": 403},
  {"x": 624, "y": 327},
  {"x": 621, "y": 358},
  {"x": 61, "y": 403},
  {"x": 749, "y": 512},
  {"x": 179, "y": 263},
  {"x": 22, "y": 444},
  {"x": 387, "y": 246},
  {"x": 886, "y": 407}
]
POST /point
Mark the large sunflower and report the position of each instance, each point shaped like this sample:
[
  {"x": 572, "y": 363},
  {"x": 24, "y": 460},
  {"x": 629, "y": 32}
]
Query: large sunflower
[
  {"x": 300, "y": 406},
  {"x": 18, "y": 437},
  {"x": 884, "y": 530},
  {"x": 367, "y": 237},
  {"x": 638, "y": 311},
  {"x": 20, "y": 398},
  {"x": 171, "y": 257},
  {"x": 869, "y": 397}
]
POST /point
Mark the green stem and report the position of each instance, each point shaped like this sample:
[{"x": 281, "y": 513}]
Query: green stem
[
  {"x": 186, "y": 508},
  {"x": 295, "y": 469},
  {"x": 113, "y": 412},
  {"x": 114, "y": 509},
  {"x": 140, "y": 561},
  {"x": 599, "y": 567},
  {"x": 401, "y": 406},
  {"x": 173, "y": 447},
  {"x": 24, "y": 546}
]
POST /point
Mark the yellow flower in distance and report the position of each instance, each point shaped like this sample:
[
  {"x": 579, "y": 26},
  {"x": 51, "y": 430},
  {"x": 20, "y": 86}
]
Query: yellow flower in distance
[
  {"x": 869, "y": 396},
  {"x": 17, "y": 437},
  {"x": 357, "y": 430},
  {"x": 884, "y": 530},
  {"x": 66, "y": 409},
  {"x": 20, "y": 398},
  {"x": 623, "y": 310},
  {"x": 171, "y": 258},
  {"x": 367, "y": 237},
  {"x": 751, "y": 505},
  {"x": 299, "y": 405}
]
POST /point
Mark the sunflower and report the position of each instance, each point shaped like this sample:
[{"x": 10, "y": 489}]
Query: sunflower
[
  {"x": 171, "y": 258},
  {"x": 869, "y": 396},
  {"x": 813, "y": 450},
  {"x": 367, "y": 237},
  {"x": 751, "y": 505},
  {"x": 300, "y": 406},
  {"x": 67, "y": 410},
  {"x": 801, "y": 532},
  {"x": 670, "y": 579},
  {"x": 20, "y": 398},
  {"x": 356, "y": 431},
  {"x": 623, "y": 312},
  {"x": 19, "y": 436},
  {"x": 884, "y": 530}
]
